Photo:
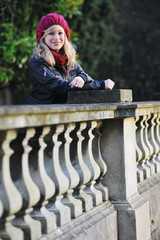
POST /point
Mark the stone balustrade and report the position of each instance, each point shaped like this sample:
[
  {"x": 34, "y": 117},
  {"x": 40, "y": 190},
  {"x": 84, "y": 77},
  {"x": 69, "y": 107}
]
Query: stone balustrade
[
  {"x": 147, "y": 145},
  {"x": 50, "y": 175},
  {"x": 66, "y": 169}
]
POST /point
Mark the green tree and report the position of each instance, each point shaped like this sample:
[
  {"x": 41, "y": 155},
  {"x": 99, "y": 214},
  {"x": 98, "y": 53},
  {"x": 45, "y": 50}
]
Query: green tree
[
  {"x": 97, "y": 45},
  {"x": 139, "y": 66}
]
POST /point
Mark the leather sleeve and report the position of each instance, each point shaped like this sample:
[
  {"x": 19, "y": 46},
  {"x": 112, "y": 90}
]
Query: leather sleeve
[
  {"x": 81, "y": 73},
  {"x": 94, "y": 85}
]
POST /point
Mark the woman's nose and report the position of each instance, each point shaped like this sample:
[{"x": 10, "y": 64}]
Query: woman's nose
[{"x": 56, "y": 36}]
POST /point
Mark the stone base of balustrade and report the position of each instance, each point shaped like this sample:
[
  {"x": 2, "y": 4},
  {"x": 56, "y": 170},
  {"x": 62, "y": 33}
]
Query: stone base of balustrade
[
  {"x": 150, "y": 190},
  {"x": 133, "y": 218},
  {"x": 100, "y": 223}
]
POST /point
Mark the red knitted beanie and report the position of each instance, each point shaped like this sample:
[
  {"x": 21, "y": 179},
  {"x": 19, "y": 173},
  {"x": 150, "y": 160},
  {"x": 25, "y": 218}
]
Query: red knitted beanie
[{"x": 49, "y": 20}]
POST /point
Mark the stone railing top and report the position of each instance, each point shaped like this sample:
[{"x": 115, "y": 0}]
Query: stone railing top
[{"x": 19, "y": 116}]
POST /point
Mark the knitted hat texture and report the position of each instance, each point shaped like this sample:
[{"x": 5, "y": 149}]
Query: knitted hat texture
[{"x": 49, "y": 20}]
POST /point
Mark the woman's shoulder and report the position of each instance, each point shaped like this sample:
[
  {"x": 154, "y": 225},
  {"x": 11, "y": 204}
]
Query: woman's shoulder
[
  {"x": 35, "y": 60},
  {"x": 37, "y": 63}
]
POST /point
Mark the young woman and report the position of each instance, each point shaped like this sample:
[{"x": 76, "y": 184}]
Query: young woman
[{"x": 53, "y": 68}]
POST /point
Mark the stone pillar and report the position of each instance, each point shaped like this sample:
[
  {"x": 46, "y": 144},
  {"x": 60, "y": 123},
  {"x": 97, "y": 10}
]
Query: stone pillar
[{"x": 118, "y": 150}]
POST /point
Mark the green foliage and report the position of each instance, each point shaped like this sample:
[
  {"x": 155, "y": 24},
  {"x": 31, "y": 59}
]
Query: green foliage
[
  {"x": 97, "y": 43},
  {"x": 15, "y": 48},
  {"x": 68, "y": 8},
  {"x": 139, "y": 68},
  {"x": 7, "y": 52},
  {"x": 153, "y": 222}
]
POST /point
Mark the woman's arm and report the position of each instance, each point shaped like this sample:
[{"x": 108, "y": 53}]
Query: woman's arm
[
  {"x": 81, "y": 73},
  {"x": 84, "y": 81},
  {"x": 93, "y": 85},
  {"x": 41, "y": 76}
]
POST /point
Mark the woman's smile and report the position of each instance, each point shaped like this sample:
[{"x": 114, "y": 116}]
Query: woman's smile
[{"x": 56, "y": 43}]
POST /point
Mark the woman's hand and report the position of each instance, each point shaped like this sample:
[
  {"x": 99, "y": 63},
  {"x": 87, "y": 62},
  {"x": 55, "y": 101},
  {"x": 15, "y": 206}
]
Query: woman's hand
[
  {"x": 77, "y": 82},
  {"x": 109, "y": 84}
]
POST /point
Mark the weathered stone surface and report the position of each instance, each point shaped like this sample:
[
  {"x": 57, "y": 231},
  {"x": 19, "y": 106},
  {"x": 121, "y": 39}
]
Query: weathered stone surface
[
  {"x": 97, "y": 224},
  {"x": 100, "y": 96},
  {"x": 118, "y": 150},
  {"x": 133, "y": 218},
  {"x": 150, "y": 190},
  {"x": 28, "y": 116},
  {"x": 117, "y": 146}
]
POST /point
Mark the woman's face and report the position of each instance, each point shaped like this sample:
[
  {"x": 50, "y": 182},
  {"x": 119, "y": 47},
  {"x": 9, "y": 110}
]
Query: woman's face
[{"x": 55, "y": 40}]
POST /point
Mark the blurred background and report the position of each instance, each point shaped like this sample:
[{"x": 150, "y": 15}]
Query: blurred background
[{"x": 117, "y": 39}]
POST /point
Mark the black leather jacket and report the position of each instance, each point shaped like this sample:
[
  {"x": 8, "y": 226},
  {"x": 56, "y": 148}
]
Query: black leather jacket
[{"x": 51, "y": 84}]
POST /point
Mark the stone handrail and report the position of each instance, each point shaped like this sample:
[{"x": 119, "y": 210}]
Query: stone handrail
[{"x": 54, "y": 162}]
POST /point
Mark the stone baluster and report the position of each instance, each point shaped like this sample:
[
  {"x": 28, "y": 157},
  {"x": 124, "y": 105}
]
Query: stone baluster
[
  {"x": 139, "y": 154},
  {"x": 91, "y": 163},
  {"x": 69, "y": 200},
  {"x": 157, "y": 138},
  {"x": 144, "y": 148},
  {"x": 63, "y": 214},
  {"x": 8, "y": 190},
  {"x": 152, "y": 137},
  {"x": 149, "y": 163},
  {"x": 79, "y": 163},
  {"x": 98, "y": 157},
  {"x": 158, "y": 127},
  {"x": 26, "y": 185},
  {"x": 45, "y": 185}
]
